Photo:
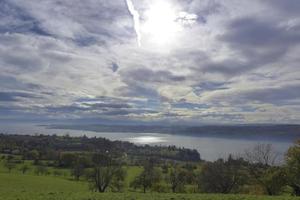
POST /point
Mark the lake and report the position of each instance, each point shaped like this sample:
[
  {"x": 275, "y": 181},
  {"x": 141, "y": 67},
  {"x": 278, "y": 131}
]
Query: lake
[{"x": 210, "y": 148}]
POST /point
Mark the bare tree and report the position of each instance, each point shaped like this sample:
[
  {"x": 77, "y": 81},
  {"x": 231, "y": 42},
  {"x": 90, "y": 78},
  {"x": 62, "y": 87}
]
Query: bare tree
[{"x": 261, "y": 154}]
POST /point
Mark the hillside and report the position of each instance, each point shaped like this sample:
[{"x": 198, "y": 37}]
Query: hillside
[{"x": 29, "y": 187}]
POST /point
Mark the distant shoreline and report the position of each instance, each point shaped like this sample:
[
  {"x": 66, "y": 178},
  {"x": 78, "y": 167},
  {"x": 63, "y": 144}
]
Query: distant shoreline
[{"x": 273, "y": 132}]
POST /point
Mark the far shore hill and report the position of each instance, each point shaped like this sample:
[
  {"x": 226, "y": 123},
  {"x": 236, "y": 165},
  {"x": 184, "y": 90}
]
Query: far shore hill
[{"x": 261, "y": 131}]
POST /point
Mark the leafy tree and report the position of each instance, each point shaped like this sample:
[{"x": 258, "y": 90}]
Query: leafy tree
[
  {"x": 117, "y": 183},
  {"x": 78, "y": 164},
  {"x": 293, "y": 167},
  {"x": 222, "y": 176},
  {"x": 149, "y": 177},
  {"x": 33, "y": 155},
  {"x": 102, "y": 177},
  {"x": 8, "y": 164},
  {"x": 77, "y": 171},
  {"x": 67, "y": 159},
  {"x": 106, "y": 173},
  {"x": 24, "y": 168},
  {"x": 41, "y": 170},
  {"x": 165, "y": 168},
  {"x": 177, "y": 179},
  {"x": 274, "y": 180},
  {"x": 271, "y": 179}
]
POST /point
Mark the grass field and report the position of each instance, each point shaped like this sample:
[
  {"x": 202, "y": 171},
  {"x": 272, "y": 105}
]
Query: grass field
[
  {"x": 29, "y": 187},
  {"x": 17, "y": 186}
]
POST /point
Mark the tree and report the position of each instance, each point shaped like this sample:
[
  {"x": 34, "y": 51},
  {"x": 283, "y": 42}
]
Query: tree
[
  {"x": 117, "y": 183},
  {"x": 222, "y": 176},
  {"x": 77, "y": 171},
  {"x": 41, "y": 170},
  {"x": 102, "y": 177},
  {"x": 33, "y": 155},
  {"x": 261, "y": 153},
  {"x": 78, "y": 164},
  {"x": 24, "y": 168},
  {"x": 177, "y": 179},
  {"x": 67, "y": 159},
  {"x": 165, "y": 168},
  {"x": 261, "y": 159},
  {"x": 149, "y": 177},
  {"x": 106, "y": 172},
  {"x": 9, "y": 165},
  {"x": 57, "y": 172},
  {"x": 274, "y": 180},
  {"x": 293, "y": 167}
]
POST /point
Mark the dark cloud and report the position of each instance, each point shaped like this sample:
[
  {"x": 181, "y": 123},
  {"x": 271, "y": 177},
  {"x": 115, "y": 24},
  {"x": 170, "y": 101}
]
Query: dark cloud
[
  {"x": 204, "y": 8},
  {"x": 227, "y": 116},
  {"x": 107, "y": 105},
  {"x": 128, "y": 112},
  {"x": 89, "y": 107},
  {"x": 254, "y": 34},
  {"x": 290, "y": 7},
  {"x": 148, "y": 75},
  {"x": 106, "y": 99},
  {"x": 256, "y": 42},
  {"x": 21, "y": 61},
  {"x": 209, "y": 86},
  {"x": 114, "y": 67},
  {"x": 100, "y": 109},
  {"x": 17, "y": 20},
  {"x": 11, "y": 83},
  {"x": 84, "y": 23},
  {"x": 229, "y": 67},
  {"x": 278, "y": 95},
  {"x": 187, "y": 105},
  {"x": 85, "y": 41},
  {"x": 141, "y": 82},
  {"x": 137, "y": 89},
  {"x": 15, "y": 96},
  {"x": 67, "y": 109}
]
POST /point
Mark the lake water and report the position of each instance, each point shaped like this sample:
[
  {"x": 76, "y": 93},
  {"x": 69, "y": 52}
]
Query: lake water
[{"x": 210, "y": 148}]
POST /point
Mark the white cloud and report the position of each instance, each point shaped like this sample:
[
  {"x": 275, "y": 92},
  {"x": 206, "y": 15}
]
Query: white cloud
[{"x": 63, "y": 52}]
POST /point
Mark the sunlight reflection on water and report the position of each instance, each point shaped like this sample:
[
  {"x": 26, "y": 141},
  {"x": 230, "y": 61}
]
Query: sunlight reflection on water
[{"x": 147, "y": 139}]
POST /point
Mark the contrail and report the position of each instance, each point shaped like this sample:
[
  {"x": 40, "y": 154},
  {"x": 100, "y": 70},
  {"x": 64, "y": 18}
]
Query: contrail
[{"x": 136, "y": 20}]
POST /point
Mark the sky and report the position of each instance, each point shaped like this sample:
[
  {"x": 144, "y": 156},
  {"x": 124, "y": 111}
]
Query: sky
[{"x": 150, "y": 61}]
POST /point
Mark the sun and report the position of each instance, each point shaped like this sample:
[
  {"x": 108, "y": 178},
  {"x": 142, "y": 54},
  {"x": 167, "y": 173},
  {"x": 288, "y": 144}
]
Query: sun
[{"x": 160, "y": 25}]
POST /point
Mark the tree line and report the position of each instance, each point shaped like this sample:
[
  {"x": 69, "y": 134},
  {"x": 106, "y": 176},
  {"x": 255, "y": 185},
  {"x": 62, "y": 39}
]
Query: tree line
[{"x": 45, "y": 147}]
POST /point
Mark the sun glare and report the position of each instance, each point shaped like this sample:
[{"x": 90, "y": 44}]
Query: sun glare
[{"x": 160, "y": 26}]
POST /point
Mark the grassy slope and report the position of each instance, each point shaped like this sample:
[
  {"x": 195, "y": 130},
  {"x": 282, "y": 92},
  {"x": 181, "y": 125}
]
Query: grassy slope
[
  {"x": 16, "y": 186},
  {"x": 27, "y": 187}
]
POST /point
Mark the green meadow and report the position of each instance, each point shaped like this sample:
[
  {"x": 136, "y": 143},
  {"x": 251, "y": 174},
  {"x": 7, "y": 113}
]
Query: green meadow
[{"x": 18, "y": 186}]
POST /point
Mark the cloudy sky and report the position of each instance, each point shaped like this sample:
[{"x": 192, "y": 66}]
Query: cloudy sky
[{"x": 150, "y": 61}]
